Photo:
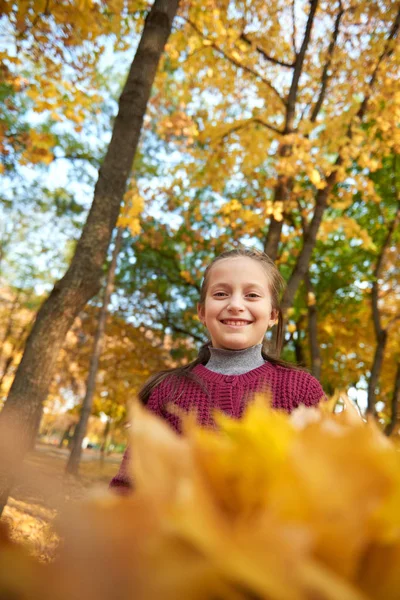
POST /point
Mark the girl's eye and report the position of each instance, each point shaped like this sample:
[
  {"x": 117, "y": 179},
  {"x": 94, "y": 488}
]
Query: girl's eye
[
  {"x": 219, "y": 294},
  {"x": 253, "y": 295}
]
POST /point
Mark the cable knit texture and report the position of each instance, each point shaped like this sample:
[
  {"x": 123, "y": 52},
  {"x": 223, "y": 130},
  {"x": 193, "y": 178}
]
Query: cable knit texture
[{"x": 228, "y": 393}]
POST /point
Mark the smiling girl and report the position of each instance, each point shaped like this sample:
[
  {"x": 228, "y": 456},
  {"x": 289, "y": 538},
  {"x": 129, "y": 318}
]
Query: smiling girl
[{"x": 239, "y": 302}]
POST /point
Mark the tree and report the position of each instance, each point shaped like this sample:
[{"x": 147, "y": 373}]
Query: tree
[
  {"x": 305, "y": 109},
  {"x": 381, "y": 331},
  {"x": 82, "y": 279},
  {"x": 80, "y": 430}
]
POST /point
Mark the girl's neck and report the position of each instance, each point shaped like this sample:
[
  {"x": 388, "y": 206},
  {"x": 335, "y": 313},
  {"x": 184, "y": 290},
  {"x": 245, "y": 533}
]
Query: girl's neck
[{"x": 235, "y": 362}]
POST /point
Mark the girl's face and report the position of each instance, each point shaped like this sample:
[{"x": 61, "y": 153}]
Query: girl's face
[{"x": 237, "y": 310}]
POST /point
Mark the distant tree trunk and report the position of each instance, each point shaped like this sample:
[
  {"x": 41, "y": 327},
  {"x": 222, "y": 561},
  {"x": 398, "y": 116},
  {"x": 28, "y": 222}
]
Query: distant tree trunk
[
  {"x": 376, "y": 370},
  {"x": 313, "y": 329},
  {"x": 15, "y": 349},
  {"x": 10, "y": 324},
  {"x": 381, "y": 333},
  {"x": 395, "y": 416},
  {"x": 282, "y": 192},
  {"x": 38, "y": 416},
  {"x": 81, "y": 428},
  {"x": 6, "y": 367},
  {"x": 309, "y": 241},
  {"x": 106, "y": 433},
  {"x": 83, "y": 277},
  {"x": 299, "y": 352},
  {"x": 67, "y": 435}
]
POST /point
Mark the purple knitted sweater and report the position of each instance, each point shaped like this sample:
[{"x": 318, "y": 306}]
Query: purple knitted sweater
[{"x": 227, "y": 393}]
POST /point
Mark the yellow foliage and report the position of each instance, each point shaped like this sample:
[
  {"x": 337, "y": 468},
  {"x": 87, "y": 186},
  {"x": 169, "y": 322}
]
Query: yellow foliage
[
  {"x": 133, "y": 207},
  {"x": 274, "y": 209},
  {"x": 38, "y": 148},
  {"x": 187, "y": 276},
  {"x": 349, "y": 227},
  {"x": 271, "y": 506},
  {"x": 311, "y": 299},
  {"x": 315, "y": 179}
]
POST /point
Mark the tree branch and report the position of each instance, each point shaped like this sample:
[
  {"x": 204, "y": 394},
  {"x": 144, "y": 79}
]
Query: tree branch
[
  {"x": 187, "y": 333},
  {"x": 292, "y": 97},
  {"x": 310, "y": 237},
  {"x": 325, "y": 73},
  {"x": 235, "y": 62},
  {"x": 294, "y": 31},
  {"x": 170, "y": 323},
  {"x": 247, "y": 123},
  {"x": 264, "y": 54},
  {"x": 386, "y": 52}
]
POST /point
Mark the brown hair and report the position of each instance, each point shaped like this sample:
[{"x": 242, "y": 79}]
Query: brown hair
[{"x": 276, "y": 283}]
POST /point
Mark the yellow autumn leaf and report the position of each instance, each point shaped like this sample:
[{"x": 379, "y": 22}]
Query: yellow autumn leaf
[
  {"x": 311, "y": 300},
  {"x": 315, "y": 178}
]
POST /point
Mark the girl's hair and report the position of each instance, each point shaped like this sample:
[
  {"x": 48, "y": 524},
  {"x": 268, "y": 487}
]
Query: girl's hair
[{"x": 276, "y": 284}]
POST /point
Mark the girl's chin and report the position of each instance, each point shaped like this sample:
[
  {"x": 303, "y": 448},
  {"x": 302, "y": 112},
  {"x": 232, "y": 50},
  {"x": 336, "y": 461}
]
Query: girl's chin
[{"x": 236, "y": 344}]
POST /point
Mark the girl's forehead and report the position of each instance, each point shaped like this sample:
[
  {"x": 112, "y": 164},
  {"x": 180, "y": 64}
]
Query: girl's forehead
[{"x": 240, "y": 268}]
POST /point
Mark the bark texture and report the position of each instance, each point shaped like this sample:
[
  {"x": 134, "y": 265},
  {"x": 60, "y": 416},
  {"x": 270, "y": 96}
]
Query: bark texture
[
  {"x": 83, "y": 277},
  {"x": 81, "y": 427}
]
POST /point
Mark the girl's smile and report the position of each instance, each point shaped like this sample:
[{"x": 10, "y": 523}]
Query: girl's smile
[
  {"x": 237, "y": 310},
  {"x": 235, "y": 323}
]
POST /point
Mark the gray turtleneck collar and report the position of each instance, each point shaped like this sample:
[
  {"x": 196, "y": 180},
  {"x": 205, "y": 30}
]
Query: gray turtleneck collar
[{"x": 235, "y": 362}]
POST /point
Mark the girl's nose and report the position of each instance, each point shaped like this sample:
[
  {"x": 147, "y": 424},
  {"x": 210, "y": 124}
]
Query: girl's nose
[{"x": 235, "y": 304}]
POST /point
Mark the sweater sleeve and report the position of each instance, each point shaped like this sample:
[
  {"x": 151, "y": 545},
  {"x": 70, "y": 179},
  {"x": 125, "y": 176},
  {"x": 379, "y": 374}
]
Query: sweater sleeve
[
  {"x": 312, "y": 392},
  {"x": 122, "y": 482}
]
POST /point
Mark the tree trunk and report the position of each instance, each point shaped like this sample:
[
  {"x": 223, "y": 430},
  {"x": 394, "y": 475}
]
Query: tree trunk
[
  {"x": 313, "y": 329},
  {"x": 103, "y": 446},
  {"x": 81, "y": 428},
  {"x": 310, "y": 238},
  {"x": 38, "y": 416},
  {"x": 67, "y": 435},
  {"x": 376, "y": 370},
  {"x": 82, "y": 279},
  {"x": 285, "y": 184},
  {"x": 395, "y": 416},
  {"x": 271, "y": 244},
  {"x": 381, "y": 333}
]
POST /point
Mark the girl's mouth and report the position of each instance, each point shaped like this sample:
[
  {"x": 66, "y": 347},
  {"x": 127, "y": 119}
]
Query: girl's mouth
[{"x": 235, "y": 322}]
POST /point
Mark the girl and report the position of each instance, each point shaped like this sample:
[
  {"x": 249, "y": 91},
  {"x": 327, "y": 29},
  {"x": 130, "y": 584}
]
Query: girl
[{"x": 239, "y": 301}]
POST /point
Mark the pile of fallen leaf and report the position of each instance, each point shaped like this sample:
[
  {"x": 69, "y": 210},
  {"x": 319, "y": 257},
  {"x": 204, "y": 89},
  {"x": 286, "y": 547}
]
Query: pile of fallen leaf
[{"x": 272, "y": 507}]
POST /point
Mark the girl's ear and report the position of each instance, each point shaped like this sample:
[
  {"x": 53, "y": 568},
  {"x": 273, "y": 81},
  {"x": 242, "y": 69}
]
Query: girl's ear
[
  {"x": 274, "y": 317},
  {"x": 201, "y": 313}
]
